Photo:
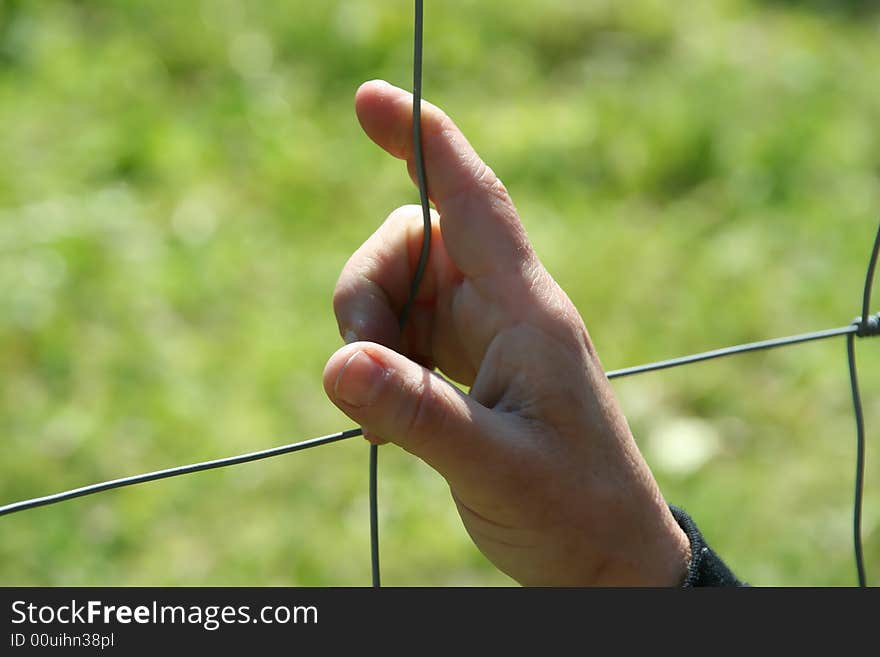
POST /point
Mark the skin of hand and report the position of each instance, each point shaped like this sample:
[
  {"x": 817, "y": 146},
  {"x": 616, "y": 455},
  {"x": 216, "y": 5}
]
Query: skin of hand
[{"x": 539, "y": 458}]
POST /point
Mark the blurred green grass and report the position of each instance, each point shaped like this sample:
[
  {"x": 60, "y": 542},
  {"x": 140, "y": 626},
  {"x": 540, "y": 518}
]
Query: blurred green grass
[{"x": 180, "y": 183}]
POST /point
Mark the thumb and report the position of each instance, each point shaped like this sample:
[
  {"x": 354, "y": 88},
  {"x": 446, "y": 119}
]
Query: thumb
[
  {"x": 481, "y": 228},
  {"x": 402, "y": 402}
]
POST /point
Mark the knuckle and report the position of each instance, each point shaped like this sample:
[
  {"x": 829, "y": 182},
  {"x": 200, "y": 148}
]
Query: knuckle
[
  {"x": 417, "y": 414},
  {"x": 486, "y": 180},
  {"x": 441, "y": 129},
  {"x": 498, "y": 191},
  {"x": 420, "y": 417},
  {"x": 404, "y": 214},
  {"x": 342, "y": 294}
]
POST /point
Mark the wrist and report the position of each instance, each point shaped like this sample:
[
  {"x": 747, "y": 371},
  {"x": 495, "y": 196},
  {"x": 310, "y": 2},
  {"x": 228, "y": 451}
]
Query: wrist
[
  {"x": 673, "y": 557},
  {"x": 657, "y": 554}
]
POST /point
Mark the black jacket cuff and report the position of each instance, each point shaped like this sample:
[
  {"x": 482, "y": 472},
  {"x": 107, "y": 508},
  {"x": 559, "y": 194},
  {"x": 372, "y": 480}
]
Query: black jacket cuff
[{"x": 705, "y": 568}]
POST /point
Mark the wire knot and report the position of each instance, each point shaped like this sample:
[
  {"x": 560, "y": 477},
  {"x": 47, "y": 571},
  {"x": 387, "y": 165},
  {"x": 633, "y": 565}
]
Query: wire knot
[{"x": 869, "y": 327}]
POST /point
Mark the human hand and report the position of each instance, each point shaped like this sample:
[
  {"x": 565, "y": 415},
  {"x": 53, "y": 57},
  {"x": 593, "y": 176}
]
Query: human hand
[{"x": 539, "y": 458}]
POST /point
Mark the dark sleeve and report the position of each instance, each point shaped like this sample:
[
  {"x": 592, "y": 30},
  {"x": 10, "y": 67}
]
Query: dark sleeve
[{"x": 705, "y": 567}]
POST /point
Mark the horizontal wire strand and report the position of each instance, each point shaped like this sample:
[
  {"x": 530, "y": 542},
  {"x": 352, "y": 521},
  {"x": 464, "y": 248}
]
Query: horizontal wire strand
[
  {"x": 351, "y": 433},
  {"x": 177, "y": 471},
  {"x": 731, "y": 351}
]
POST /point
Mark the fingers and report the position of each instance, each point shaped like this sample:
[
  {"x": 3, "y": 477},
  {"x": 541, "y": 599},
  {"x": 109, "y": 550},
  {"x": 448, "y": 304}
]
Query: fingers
[
  {"x": 375, "y": 282},
  {"x": 395, "y": 399},
  {"x": 481, "y": 228}
]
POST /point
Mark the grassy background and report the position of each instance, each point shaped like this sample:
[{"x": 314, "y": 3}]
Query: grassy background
[{"x": 180, "y": 183}]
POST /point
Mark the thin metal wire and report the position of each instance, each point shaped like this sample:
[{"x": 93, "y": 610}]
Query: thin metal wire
[
  {"x": 421, "y": 179},
  {"x": 24, "y": 505},
  {"x": 869, "y": 281},
  {"x": 867, "y": 325},
  {"x": 374, "y": 517},
  {"x": 860, "y": 459},
  {"x": 419, "y": 159},
  {"x": 731, "y": 351}
]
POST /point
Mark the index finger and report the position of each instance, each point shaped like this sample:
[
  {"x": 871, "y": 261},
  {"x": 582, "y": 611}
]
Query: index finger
[{"x": 479, "y": 222}]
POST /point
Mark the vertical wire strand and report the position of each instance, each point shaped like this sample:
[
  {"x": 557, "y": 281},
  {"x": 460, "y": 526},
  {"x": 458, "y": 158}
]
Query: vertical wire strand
[
  {"x": 419, "y": 157},
  {"x": 860, "y": 458},
  {"x": 865, "y": 328},
  {"x": 869, "y": 280},
  {"x": 374, "y": 517},
  {"x": 421, "y": 179}
]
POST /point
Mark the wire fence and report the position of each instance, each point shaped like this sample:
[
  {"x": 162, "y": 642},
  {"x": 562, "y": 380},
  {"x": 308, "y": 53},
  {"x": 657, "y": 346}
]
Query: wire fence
[{"x": 864, "y": 325}]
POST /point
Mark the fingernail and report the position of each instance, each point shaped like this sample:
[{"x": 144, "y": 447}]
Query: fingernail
[
  {"x": 360, "y": 380},
  {"x": 350, "y": 336}
]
